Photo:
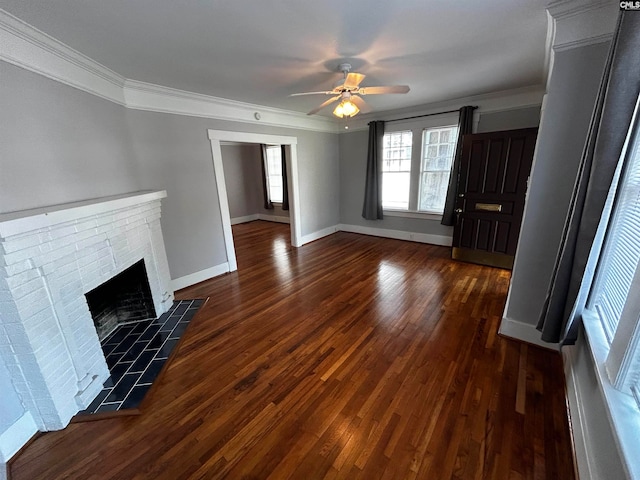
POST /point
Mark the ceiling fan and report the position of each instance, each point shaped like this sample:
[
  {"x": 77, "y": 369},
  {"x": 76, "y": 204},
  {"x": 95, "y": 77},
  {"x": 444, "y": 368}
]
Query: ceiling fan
[{"x": 348, "y": 90}]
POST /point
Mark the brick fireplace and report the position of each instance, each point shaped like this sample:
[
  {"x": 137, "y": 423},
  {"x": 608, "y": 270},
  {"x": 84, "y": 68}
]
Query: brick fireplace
[{"x": 50, "y": 259}]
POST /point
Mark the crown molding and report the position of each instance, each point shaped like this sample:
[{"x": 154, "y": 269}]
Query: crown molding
[
  {"x": 31, "y": 49},
  {"x": 491, "y": 102},
  {"x": 156, "y": 98},
  {"x": 578, "y": 23}
]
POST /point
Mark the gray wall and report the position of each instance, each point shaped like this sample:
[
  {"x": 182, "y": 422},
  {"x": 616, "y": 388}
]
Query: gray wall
[
  {"x": 59, "y": 144},
  {"x": 509, "y": 119},
  {"x": 353, "y": 165},
  {"x": 243, "y": 179},
  {"x": 242, "y": 165},
  {"x": 570, "y": 98},
  {"x": 174, "y": 153},
  {"x": 11, "y": 408}
]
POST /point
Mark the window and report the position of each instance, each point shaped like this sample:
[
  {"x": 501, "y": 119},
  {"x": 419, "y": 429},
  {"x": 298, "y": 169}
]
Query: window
[
  {"x": 274, "y": 173},
  {"x": 396, "y": 170},
  {"x": 438, "y": 148},
  {"x": 416, "y": 179},
  {"x": 614, "y": 299},
  {"x": 621, "y": 250}
]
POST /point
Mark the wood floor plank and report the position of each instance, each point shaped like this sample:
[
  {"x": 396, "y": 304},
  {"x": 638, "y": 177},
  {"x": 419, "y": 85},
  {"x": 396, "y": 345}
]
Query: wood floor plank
[{"x": 351, "y": 357}]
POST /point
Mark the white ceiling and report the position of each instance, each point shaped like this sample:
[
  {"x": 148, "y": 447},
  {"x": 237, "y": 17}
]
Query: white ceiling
[{"x": 260, "y": 51}]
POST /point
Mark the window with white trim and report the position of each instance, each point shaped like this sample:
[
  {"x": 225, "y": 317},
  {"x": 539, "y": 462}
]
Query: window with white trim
[
  {"x": 274, "y": 173},
  {"x": 615, "y": 294},
  {"x": 396, "y": 170},
  {"x": 438, "y": 149},
  {"x": 417, "y": 181}
]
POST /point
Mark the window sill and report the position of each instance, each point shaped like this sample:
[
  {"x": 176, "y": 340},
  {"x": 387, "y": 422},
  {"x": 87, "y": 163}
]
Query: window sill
[
  {"x": 623, "y": 413},
  {"x": 411, "y": 214}
]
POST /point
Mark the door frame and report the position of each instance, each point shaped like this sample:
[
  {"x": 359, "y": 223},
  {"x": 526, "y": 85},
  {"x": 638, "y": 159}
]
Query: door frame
[{"x": 217, "y": 136}]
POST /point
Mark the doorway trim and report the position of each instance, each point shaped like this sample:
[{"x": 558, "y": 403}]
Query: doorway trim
[{"x": 217, "y": 136}]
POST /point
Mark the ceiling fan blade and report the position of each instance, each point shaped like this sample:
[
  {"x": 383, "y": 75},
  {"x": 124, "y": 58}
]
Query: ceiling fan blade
[
  {"x": 324, "y": 104},
  {"x": 380, "y": 90},
  {"x": 353, "y": 80},
  {"x": 361, "y": 104},
  {"x": 326, "y": 92}
]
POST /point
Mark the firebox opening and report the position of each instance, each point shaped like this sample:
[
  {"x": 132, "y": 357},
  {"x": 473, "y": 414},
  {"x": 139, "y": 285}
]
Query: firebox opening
[{"x": 125, "y": 298}]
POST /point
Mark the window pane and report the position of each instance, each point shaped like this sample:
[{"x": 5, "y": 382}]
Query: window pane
[
  {"x": 395, "y": 190},
  {"x": 437, "y": 150},
  {"x": 396, "y": 170},
  {"x": 434, "y": 185},
  {"x": 274, "y": 173},
  {"x": 621, "y": 251}
]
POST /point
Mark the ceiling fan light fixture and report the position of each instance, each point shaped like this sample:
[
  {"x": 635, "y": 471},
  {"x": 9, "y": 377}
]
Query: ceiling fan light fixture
[{"x": 346, "y": 108}]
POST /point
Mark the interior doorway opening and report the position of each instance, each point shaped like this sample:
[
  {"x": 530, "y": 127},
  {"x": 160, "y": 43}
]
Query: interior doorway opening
[{"x": 221, "y": 138}]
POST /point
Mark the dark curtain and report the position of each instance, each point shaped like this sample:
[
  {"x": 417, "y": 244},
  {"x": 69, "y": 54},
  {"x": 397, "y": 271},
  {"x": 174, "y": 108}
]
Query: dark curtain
[
  {"x": 610, "y": 122},
  {"x": 465, "y": 126},
  {"x": 285, "y": 180},
  {"x": 265, "y": 189},
  {"x": 372, "y": 209}
]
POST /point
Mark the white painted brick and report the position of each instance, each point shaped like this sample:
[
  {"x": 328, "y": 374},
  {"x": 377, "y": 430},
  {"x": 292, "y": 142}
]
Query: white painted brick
[
  {"x": 6, "y": 352},
  {"x": 21, "y": 255},
  {"x": 62, "y": 230},
  {"x": 45, "y": 335},
  {"x": 50, "y": 357},
  {"x": 60, "y": 267},
  {"x": 72, "y": 256},
  {"x": 21, "y": 278},
  {"x": 24, "y": 241},
  {"x": 86, "y": 224},
  {"x": 40, "y": 321},
  {"x": 35, "y": 231},
  {"x": 32, "y": 303},
  {"x": 62, "y": 372},
  {"x": 84, "y": 235},
  {"x": 22, "y": 289},
  {"x": 17, "y": 335},
  {"x": 104, "y": 219},
  {"x": 54, "y": 255},
  {"x": 10, "y": 314},
  {"x": 15, "y": 371},
  {"x": 15, "y": 269},
  {"x": 71, "y": 289}
]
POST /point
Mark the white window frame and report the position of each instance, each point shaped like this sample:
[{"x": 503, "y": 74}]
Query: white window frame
[
  {"x": 617, "y": 359},
  {"x": 623, "y": 359},
  {"x": 386, "y": 160},
  {"x": 424, "y": 159},
  {"x": 278, "y": 149},
  {"x": 417, "y": 126}
]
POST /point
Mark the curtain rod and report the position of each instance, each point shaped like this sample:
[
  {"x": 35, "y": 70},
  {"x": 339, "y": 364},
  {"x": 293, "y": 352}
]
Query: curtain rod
[{"x": 425, "y": 115}]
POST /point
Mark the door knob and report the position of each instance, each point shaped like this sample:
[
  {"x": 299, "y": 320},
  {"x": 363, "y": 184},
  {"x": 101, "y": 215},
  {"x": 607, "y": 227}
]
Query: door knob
[{"x": 458, "y": 210}]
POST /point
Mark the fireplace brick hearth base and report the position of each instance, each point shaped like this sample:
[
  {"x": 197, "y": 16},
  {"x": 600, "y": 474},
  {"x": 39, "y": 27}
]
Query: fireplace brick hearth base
[{"x": 49, "y": 259}]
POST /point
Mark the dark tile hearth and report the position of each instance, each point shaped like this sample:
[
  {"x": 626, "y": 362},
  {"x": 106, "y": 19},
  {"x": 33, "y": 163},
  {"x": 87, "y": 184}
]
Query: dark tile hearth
[{"x": 135, "y": 355}]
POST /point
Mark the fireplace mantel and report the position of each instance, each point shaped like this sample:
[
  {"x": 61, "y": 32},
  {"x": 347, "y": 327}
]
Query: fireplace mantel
[{"x": 49, "y": 259}]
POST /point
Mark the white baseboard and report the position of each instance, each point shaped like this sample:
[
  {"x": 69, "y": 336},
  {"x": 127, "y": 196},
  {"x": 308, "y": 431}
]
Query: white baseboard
[
  {"x": 245, "y": 219},
  {"x": 197, "y": 277},
  {"x": 14, "y": 438},
  {"x": 273, "y": 218},
  {"x": 442, "y": 240},
  {"x": 524, "y": 332},
  {"x": 260, "y": 216},
  {"x": 319, "y": 234}
]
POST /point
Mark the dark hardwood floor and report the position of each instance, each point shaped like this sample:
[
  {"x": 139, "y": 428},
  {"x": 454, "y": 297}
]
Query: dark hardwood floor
[{"x": 351, "y": 357}]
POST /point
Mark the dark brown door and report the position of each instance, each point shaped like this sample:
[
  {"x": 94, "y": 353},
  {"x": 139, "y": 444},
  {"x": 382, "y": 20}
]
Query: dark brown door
[{"x": 492, "y": 185}]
